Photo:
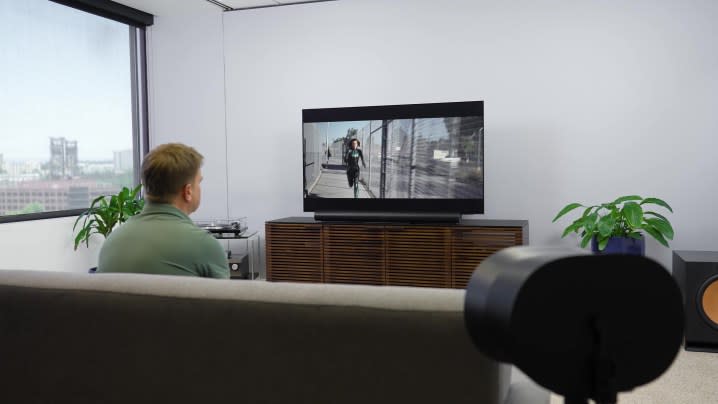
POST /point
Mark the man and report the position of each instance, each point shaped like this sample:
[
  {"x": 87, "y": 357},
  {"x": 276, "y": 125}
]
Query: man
[{"x": 162, "y": 239}]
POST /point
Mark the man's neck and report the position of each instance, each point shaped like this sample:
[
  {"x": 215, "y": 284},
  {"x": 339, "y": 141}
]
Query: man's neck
[
  {"x": 179, "y": 203},
  {"x": 183, "y": 207}
]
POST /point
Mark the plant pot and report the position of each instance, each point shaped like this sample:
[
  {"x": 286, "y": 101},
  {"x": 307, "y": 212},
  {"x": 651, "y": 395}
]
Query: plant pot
[{"x": 621, "y": 245}]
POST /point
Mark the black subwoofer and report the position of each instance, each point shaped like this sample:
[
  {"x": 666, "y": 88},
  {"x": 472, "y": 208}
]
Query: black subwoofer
[{"x": 696, "y": 273}]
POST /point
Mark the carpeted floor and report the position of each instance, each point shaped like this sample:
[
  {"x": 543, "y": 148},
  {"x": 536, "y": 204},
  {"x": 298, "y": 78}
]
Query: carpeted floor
[{"x": 691, "y": 379}]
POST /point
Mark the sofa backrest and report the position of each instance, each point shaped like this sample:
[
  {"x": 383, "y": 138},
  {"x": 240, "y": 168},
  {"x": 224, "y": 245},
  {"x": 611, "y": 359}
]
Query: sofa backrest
[{"x": 131, "y": 338}]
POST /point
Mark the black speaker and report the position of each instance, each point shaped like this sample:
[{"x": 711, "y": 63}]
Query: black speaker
[
  {"x": 581, "y": 325},
  {"x": 239, "y": 267},
  {"x": 696, "y": 273}
]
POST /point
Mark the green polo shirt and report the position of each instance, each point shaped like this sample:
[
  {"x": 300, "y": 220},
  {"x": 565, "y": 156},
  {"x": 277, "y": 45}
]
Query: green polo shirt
[{"x": 163, "y": 240}]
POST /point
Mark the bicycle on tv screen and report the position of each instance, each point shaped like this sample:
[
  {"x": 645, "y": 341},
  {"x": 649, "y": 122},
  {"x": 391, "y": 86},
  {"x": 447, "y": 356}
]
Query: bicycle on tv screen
[{"x": 422, "y": 157}]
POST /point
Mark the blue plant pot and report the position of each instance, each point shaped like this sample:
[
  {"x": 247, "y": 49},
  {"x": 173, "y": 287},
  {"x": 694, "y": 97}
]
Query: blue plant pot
[{"x": 621, "y": 245}]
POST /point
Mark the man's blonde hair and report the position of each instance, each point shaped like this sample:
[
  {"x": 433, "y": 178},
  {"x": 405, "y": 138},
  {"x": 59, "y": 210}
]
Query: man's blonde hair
[{"x": 168, "y": 168}]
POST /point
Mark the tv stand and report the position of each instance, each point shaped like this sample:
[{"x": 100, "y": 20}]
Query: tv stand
[
  {"x": 440, "y": 255},
  {"x": 402, "y": 217}
]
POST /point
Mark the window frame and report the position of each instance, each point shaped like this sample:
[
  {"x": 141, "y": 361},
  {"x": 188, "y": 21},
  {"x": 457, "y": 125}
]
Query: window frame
[{"x": 137, "y": 22}]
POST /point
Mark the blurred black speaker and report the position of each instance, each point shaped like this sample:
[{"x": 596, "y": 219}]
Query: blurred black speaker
[
  {"x": 581, "y": 325},
  {"x": 696, "y": 273}
]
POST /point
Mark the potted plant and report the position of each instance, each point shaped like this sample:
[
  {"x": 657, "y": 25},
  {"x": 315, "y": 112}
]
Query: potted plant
[
  {"x": 615, "y": 227},
  {"x": 106, "y": 212}
]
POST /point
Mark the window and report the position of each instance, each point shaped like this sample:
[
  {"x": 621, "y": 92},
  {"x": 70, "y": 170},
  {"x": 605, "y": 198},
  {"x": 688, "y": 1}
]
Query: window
[{"x": 72, "y": 104}]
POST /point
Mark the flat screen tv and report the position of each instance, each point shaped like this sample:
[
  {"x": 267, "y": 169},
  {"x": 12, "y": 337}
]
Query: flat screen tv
[{"x": 416, "y": 158}]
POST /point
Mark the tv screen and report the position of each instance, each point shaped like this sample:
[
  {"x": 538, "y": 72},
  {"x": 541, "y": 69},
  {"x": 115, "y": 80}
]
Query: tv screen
[{"x": 394, "y": 158}]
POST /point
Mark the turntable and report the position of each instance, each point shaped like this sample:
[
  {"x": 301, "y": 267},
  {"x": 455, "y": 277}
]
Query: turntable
[{"x": 224, "y": 228}]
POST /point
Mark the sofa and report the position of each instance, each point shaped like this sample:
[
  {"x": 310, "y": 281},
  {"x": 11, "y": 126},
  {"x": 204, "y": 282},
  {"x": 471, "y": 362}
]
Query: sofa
[{"x": 133, "y": 338}]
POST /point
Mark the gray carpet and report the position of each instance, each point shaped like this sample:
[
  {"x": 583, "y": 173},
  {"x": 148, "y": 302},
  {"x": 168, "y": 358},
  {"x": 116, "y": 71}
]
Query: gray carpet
[
  {"x": 692, "y": 378},
  {"x": 524, "y": 391}
]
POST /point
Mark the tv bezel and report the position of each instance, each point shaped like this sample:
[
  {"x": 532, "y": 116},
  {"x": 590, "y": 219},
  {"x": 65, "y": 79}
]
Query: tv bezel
[{"x": 382, "y": 112}]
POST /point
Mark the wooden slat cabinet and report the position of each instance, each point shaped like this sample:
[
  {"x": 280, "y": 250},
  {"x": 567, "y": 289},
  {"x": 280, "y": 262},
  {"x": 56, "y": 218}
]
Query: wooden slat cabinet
[
  {"x": 438, "y": 255},
  {"x": 418, "y": 256},
  {"x": 471, "y": 245},
  {"x": 354, "y": 254},
  {"x": 294, "y": 252}
]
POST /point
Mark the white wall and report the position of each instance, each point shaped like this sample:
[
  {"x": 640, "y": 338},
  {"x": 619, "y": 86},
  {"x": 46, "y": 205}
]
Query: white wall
[
  {"x": 585, "y": 101},
  {"x": 45, "y": 245},
  {"x": 186, "y": 96}
]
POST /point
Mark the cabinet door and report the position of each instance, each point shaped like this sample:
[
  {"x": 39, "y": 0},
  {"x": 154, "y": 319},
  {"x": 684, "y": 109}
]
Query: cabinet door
[
  {"x": 418, "y": 256},
  {"x": 471, "y": 245},
  {"x": 294, "y": 252},
  {"x": 353, "y": 254}
]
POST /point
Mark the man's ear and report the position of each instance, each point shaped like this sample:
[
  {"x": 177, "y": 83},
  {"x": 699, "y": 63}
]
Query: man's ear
[{"x": 187, "y": 192}]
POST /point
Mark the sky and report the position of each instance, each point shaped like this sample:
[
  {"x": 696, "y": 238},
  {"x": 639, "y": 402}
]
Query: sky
[
  {"x": 339, "y": 129},
  {"x": 63, "y": 73}
]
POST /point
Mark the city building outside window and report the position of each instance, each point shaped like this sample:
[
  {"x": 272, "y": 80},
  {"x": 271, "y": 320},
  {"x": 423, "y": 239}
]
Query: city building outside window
[{"x": 72, "y": 108}]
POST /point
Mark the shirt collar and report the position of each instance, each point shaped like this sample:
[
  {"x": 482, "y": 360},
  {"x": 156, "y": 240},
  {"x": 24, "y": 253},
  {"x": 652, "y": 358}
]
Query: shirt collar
[{"x": 166, "y": 208}]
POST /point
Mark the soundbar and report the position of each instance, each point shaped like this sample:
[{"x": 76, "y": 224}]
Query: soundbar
[{"x": 412, "y": 217}]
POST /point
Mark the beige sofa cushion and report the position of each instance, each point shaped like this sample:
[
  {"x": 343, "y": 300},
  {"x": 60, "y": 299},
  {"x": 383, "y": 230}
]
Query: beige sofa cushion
[{"x": 119, "y": 338}]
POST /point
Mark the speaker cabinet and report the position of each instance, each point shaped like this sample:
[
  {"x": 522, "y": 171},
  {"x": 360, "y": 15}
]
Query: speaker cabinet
[{"x": 697, "y": 275}]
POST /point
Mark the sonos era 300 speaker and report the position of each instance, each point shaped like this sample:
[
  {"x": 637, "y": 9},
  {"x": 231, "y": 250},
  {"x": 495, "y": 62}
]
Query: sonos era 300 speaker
[{"x": 696, "y": 272}]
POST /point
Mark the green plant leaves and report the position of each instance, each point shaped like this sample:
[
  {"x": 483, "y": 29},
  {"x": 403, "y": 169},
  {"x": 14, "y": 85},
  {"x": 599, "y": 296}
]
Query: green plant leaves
[
  {"x": 626, "y": 198},
  {"x": 623, "y": 217},
  {"x": 656, "y": 201},
  {"x": 602, "y": 242},
  {"x": 106, "y": 212},
  {"x": 655, "y": 214},
  {"x": 135, "y": 191},
  {"x": 606, "y": 225},
  {"x": 633, "y": 213},
  {"x": 662, "y": 226},
  {"x": 566, "y": 209},
  {"x": 578, "y": 223},
  {"x": 589, "y": 222},
  {"x": 656, "y": 234},
  {"x": 81, "y": 236}
]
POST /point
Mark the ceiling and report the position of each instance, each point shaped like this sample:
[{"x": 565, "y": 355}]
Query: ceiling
[
  {"x": 235, "y": 4},
  {"x": 172, "y": 7}
]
